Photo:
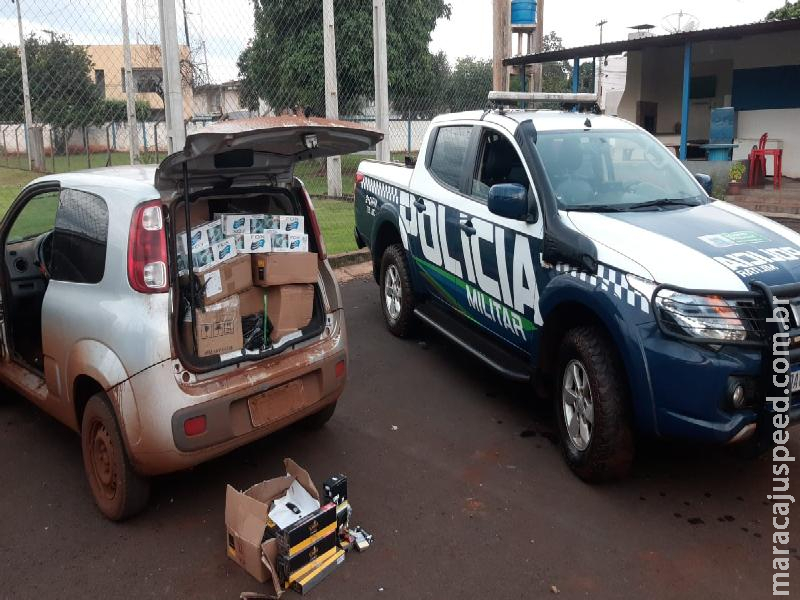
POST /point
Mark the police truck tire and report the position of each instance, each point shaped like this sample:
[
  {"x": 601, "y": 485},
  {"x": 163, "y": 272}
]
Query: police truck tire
[
  {"x": 397, "y": 295},
  {"x": 592, "y": 407},
  {"x": 118, "y": 490}
]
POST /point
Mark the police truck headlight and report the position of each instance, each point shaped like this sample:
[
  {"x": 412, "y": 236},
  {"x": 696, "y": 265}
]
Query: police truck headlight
[{"x": 705, "y": 318}]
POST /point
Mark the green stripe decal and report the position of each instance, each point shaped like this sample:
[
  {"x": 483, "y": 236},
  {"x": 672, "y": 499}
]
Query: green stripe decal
[{"x": 475, "y": 298}]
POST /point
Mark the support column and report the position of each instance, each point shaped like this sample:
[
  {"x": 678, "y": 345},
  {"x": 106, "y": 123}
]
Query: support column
[
  {"x": 334, "y": 163},
  {"x": 687, "y": 78},
  {"x": 171, "y": 69},
  {"x": 381, "y": 78},
  {"x": 576, "y": 75}
]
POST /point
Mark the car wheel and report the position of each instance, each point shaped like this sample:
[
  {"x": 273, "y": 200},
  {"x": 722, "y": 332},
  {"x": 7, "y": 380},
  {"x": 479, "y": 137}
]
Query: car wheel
[
  {"x": 319, "y": 419},
  {"x": 118, "y": 491},
  {"x": 592, "y": 407},
  {"x": 397, "y": 296}
]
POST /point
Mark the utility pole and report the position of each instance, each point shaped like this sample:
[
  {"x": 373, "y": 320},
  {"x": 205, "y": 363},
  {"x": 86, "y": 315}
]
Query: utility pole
[
  {"x": 538, "y": 44},
  {"x": 331, "y": 93},
  {"x": 501, "y": 43},
  {"x": 185, "y": 24},
  {"x": 599, "y": 75},
  {"x": 26, "y": 91},
  {"x": 130, "y": 88},
  {"x": 381, "y": 77},
  {"x": 171, "y": 69}
]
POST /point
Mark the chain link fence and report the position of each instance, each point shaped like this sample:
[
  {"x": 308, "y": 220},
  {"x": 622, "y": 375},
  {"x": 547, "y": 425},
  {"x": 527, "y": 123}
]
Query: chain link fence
[{"x": 238, "y": 59}]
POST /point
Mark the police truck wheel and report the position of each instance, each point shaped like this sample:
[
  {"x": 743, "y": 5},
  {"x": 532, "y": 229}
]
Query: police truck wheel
[
  {"x": 592, "y": 407},
  {"x": 397, "y": 297},
  {"x": 118, "y": 491}
]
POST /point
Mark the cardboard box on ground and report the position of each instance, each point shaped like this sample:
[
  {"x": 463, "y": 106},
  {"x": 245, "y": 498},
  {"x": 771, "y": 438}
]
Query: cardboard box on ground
[{"x": 298, "y": 553}]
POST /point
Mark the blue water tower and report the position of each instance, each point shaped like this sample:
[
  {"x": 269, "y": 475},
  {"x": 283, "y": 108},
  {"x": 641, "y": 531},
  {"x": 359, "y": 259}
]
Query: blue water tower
[{"x": 523, "y": 13}]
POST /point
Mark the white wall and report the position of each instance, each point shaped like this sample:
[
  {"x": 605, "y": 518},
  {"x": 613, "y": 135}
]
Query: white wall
[{"x": 783, "y": 127}]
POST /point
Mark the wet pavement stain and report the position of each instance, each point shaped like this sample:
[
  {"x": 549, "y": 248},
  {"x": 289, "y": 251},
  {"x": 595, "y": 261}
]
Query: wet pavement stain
[{"x": 696, "y": 521}]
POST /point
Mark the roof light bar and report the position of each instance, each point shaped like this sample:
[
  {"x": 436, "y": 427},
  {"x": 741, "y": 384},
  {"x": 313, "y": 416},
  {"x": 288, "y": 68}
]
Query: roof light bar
[{"x": 496, "y": 96}]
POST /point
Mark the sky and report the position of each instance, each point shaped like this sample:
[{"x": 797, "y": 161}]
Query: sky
[
  {"x": 226, "y": 25},
  {"x": 469, "y": 30}
]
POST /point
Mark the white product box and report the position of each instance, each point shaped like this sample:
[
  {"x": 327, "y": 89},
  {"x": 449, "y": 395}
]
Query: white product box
[
  {"x": 289, "y": 242},
  {"x": 292, "y": 224},
  {"x": 224, "y": 250},
  {"x": 215, "y": 232},
  {"x": 199, "y": 239},
  {"x": 236, "y": 224},
  {"x": 254, "y": 243},
  {"x": 203, "y": 259}
]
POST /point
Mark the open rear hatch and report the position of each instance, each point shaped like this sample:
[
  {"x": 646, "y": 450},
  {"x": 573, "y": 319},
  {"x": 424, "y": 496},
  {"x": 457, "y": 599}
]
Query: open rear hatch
[{"x": 244, "y": 237}]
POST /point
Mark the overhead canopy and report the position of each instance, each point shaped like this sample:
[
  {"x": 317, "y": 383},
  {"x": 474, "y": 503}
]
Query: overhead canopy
[{"x": 675, "y": 39}]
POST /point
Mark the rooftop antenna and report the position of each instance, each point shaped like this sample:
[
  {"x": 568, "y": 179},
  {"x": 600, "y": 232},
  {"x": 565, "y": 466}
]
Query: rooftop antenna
[{"x": 680, "y": 22}]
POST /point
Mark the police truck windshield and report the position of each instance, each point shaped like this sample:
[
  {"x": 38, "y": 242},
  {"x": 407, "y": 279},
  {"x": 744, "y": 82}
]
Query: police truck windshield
[{"x": 615, "y": 171}]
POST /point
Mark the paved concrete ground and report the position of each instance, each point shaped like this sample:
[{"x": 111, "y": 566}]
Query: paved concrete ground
[{"x": 467, "y": 498}]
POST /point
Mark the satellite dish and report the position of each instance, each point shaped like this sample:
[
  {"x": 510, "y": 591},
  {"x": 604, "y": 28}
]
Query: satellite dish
[{"x": 680, "y": 22}]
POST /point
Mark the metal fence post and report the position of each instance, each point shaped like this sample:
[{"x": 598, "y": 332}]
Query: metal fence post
[
  {"x": 170, "y": 65},
  {"x": 381, "y": 77},
  {"x": 334, "y": 163},
  {"x": 26, "y": 92},
  {"x": 130, "y": 91}
]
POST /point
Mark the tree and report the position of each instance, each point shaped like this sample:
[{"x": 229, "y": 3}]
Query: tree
[
  {"x": 470, "y": 84},
  {"x": 787, "y": 11},
  {"x": 555, "y": 75},
  {"x": 283, "y": 63}
]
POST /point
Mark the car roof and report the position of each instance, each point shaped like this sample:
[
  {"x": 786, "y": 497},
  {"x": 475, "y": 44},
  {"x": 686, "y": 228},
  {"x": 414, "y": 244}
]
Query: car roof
[
  {"x": 131, "y": 183},
  {"x": 543, "y": 120}
]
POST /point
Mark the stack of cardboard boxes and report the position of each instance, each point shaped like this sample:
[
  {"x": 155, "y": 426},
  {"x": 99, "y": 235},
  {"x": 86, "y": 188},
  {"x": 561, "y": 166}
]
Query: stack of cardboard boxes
[{"x": 248, "y": 266}]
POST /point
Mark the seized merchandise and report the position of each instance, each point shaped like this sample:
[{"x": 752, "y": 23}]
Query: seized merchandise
[
  {"x": 226, "y": 279},
  {"x": 317, "y": 571},
  {"x": 291, "y": 224},
  {"x": 254, "y": 243},
  {"x": 224, "y": 250},
  {"x": 289, "y": 242},
  {"x": 285, "y": 267},
  {"x": 289, "y": 308},
  {"x": 235, "y": 224},
  {"x": 218, "y": 328}
]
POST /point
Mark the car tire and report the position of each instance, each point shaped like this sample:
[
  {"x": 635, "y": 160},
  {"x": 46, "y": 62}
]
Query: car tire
[
  {"x": 118, "y": 490},
  {"x": 397, "y": 295},
  {"x": 592, "y": 407},
  {"x": 319, "y": 419}
]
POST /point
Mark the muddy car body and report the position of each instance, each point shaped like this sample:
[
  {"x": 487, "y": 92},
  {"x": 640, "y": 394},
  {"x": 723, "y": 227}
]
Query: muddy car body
[{"x": 92, "y": 307}]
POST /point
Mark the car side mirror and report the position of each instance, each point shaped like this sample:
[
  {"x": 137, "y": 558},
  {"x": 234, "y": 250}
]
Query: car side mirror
[
  {"x": 705, "y": 181},
  {"x": 509, "y": 200}
]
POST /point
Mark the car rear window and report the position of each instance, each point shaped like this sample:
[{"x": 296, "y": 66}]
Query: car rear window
[
  {"x": 79, "y": 238},
  {"x": 449, "y": 152}
]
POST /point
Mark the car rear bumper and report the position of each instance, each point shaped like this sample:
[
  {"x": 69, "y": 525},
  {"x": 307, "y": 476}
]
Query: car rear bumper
[{"x": 282, "y": 390}]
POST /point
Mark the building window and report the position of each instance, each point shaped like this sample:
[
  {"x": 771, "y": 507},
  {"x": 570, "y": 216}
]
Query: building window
[
  {"x": 147, "y": 81},
  {"x": 100, "y": 81}
]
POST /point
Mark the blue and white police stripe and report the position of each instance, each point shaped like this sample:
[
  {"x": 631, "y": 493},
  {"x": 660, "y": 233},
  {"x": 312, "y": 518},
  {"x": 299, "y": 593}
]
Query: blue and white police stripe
[{"x": 609, "y": 279}]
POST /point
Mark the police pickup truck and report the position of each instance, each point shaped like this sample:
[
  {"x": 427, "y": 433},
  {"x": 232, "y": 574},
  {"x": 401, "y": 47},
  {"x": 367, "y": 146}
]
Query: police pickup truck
[{"x": 575, "y": 251}]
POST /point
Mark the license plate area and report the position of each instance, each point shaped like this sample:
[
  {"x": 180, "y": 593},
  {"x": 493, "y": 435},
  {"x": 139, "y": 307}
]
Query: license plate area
[{"x": 277, "y": 403}]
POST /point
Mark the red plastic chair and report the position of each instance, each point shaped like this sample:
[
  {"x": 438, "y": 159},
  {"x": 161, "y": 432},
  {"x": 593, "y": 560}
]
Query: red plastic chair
[{"x": 758, "y": 160}]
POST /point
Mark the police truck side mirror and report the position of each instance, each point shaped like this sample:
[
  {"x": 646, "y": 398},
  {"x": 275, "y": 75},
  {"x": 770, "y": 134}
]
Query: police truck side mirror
[
  {"x": 509, "y": 200},
  {"x": 705, "y": 181}
]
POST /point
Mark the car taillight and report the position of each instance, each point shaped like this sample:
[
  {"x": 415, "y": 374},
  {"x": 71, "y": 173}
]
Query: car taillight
[
  {"x": 195, "y": 426},
  {"x": 359, "y": 179},
  {"x": 312, "y": 218},
  {"x": 147, "y": 249}
]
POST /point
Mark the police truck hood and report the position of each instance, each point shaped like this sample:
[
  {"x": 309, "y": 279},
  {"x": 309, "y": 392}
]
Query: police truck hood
[{"x": 715, "y": 246}]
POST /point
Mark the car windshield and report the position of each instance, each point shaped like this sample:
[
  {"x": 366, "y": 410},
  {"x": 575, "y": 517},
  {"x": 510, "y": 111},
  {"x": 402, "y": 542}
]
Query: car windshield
[{"x": 615, "y": 171}]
